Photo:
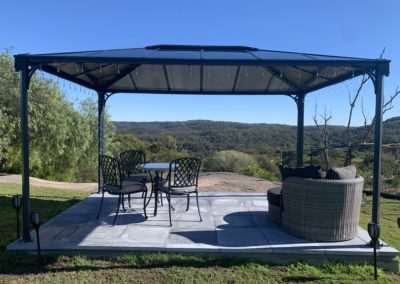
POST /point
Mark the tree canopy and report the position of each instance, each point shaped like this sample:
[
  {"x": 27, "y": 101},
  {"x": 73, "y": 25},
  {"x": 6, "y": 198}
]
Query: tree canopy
[{"x": 63, "y": 139}]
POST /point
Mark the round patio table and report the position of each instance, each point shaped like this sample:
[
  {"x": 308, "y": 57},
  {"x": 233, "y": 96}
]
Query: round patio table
[{"x": 158, "y": 169}]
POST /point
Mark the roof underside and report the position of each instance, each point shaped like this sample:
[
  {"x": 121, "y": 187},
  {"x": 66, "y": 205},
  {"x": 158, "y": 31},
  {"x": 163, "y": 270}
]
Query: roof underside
[{"x": 200, "y": 69}]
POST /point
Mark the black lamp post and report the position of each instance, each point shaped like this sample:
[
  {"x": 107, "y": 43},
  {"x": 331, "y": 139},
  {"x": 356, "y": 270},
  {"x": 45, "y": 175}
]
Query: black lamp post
[
  {"x": 374, "y": 232},
  {"x": 36, "y": 222},
  {"x": 16, "y": 203}
]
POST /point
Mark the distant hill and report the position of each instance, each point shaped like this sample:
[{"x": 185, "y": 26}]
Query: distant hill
[{"x": 204, "y": 137}]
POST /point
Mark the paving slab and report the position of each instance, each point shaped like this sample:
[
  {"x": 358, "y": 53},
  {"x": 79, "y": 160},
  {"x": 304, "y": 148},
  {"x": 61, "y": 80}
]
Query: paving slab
[{"x": 241, "y": 237}]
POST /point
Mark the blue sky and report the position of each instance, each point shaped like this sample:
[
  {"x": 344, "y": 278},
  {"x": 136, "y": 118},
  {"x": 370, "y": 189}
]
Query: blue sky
[{"x": 360, "y": 28}]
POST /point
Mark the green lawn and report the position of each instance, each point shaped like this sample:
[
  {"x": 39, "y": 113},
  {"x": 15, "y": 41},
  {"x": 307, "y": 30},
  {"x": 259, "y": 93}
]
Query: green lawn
[
  {"x": 50, "y": 202},
  {"x": 390, "y": 211},
  {"x": 165, "y": 268}
]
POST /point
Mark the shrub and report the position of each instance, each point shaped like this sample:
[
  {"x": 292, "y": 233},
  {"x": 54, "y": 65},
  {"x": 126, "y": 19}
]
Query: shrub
[
  {"x": 259, "y": 172},
  {"x": 229, "y": 161}
]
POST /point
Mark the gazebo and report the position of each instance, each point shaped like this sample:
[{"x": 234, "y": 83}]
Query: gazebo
[{"x": 203, "y": 70}]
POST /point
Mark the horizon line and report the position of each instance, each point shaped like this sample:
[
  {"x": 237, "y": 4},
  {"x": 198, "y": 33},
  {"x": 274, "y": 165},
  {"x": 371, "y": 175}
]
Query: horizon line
[{"x": 239, "y": 122}]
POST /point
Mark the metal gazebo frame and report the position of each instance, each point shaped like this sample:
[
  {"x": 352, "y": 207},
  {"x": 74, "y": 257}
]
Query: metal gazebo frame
[{"x": 208, "y": 70}]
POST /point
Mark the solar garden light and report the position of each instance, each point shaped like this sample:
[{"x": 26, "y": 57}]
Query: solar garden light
[
  {"x": 36, "y": 222},
  {"x": 374, "y": 231},
  {"x": 16, "y": 203},
  {"x": 398, "y": 222}
]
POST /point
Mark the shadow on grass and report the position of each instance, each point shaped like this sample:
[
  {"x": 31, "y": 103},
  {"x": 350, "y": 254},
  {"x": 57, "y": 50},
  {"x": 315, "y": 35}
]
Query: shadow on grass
[
  {"x": 302, "y": 279},
  {"x": 48, "y": 209}
]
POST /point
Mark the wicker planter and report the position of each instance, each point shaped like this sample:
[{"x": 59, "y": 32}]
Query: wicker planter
[{"x": 322, "y": 210}]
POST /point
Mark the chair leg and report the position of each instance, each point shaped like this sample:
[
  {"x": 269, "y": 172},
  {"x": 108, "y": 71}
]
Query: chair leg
[
  {"x": 122, "y": 201},
  {"x": 161, "y": 199},
  {"x": 119, "y": 204},
  {"x": 101, "y": 205},
  {"x": 155, "y": 201},
  {"x": 129, "y": 200},
  {"x": 169, "y": 209},
  {"x": 150, "y": 196},
  {"x": 188, "y": 202},
  {"x": 144, "y": 184},
  {"x": 144, "y": 203},
  {"x": 198, "y": 207}
]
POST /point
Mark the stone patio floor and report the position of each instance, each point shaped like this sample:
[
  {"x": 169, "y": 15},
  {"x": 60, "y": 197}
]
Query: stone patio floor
[{"x": 234, "y": 224}]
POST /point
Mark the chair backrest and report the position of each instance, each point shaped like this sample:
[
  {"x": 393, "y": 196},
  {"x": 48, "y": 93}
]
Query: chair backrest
[
  {"x": 130, "y": 160},
  {"x": 111, "y": 171},
  {"x": 184, "y": 172}
]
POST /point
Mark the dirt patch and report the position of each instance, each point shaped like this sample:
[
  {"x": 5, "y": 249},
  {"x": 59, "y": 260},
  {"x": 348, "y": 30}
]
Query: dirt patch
[
  {"x": 208, "y": 182},
  {"x": 231, "y": 182},
  {"x": 212, "y": 181},
  {"x": 47, "y": 183}
]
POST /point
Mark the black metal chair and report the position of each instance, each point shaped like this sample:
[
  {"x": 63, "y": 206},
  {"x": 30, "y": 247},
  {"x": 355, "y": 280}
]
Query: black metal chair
[
  {"x": 130, "y": 160},
  {"x": 115, "y": 184},
  {"x": 183, "y": 179}
]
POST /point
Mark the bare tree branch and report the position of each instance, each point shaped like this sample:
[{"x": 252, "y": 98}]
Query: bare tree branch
[
  {"x": 383, "y": 51},
  {"x": 352, "y": 102},
  {"x": 368, "y": 128},
  {"x": 324, "y": 134},
  {"x": 388, "y": 105},
  {"x": 363, "y": 113}
]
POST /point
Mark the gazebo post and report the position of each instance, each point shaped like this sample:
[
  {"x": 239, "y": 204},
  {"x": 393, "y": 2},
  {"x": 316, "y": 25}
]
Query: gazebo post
[
  {"x": 100, "y": 133},
  {"x": 24, "y": 86},
  {"x": 378, "y": 84},
  {"x": 300, "y": 129},
  {"x": 374, "y": 227}
]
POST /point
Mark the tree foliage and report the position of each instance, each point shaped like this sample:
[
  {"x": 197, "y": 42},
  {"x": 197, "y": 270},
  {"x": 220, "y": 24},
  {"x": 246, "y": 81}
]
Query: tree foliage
[
  {"x": 163, "y": 150},
  {"x": 63, "y": 140}
]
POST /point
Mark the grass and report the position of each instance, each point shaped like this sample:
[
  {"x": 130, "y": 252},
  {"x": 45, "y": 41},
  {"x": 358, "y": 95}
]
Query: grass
[
  {"x": 390, "y": 211},
  {"x": 49, "y": 201},
  {"x": 166, "y": 268}
]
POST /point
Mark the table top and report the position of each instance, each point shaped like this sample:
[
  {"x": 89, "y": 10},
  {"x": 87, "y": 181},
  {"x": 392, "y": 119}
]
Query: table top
[{"x": 155, "y": 166}]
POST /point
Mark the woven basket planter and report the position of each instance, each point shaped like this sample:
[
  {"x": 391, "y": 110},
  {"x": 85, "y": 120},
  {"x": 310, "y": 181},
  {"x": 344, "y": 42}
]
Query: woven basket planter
[{"x": 320, "y": 209}]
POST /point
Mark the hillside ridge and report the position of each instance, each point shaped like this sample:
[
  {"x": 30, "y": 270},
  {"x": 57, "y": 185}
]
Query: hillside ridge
[{"x": 204, "y": 137}]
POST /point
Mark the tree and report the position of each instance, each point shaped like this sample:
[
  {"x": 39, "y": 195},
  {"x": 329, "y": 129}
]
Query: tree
[
  {"x": 63, "y": 140},
  {"x": 6, "y": 132},
  {"x": 350, "y": 140},
  {"x": 88, "y": 161},
  {"x": 323, "y": 134},
  {"x": 165, "y": 149},
  {"x": 9, "y": 107},
  {"x": 129, "y": 141},
  {"x": 368, "y": 127}
]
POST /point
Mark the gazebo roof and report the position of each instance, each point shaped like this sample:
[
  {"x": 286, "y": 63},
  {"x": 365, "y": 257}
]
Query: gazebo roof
[{"x": 191, "y": 69}]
